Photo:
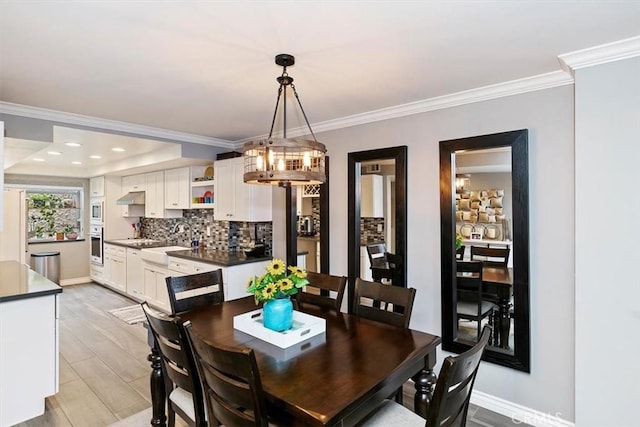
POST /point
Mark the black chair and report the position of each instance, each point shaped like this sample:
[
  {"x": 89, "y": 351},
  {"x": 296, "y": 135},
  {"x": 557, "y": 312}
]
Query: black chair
[
  {"x": 179, "y": 369},
  {"x": 401, "y": 299},
  {"x": 389, "y": 304},
  {"x": 189, "y": 292},
  {"x": 460, "y": 253},
  {"x": 383, "y": 264},
  {"x": 492, "y": 257},
  {"x": 231, "y": 382},
  {"x": 450, "y": 402},
  {"x": 323, "y": 290},
  {"x": 471, "y": 305}
]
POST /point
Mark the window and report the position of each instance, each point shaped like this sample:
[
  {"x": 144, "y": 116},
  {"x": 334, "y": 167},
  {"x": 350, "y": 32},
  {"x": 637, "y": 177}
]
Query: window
[{"x": 54, "y": 213}]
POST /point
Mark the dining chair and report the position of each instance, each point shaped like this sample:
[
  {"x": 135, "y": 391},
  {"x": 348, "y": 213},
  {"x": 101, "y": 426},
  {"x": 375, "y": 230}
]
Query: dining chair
[
  {"x": 323, "y": 290},
  {"x": 450, "y": 402},
  {"x": 382, "y": 263},
  {"x": 471, "y": 305},
  {"x": 231, "y": 382},
  {"x": 492, "y": 257},
  {"x": 192, "y": 291},
  {"x": 179, "y": 369},
  {"x": 395, "y": 306},
  {"x": 460, "y": 252}
]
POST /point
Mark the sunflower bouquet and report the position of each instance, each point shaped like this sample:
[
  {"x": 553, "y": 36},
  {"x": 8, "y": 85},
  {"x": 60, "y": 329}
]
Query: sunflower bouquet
[{"x": 279, "y": 281}]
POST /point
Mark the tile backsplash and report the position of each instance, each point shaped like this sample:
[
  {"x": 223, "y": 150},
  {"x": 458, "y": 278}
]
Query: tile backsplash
[
  {"x": 369, "y": 230},
  {"x": 223, "y": 235}
]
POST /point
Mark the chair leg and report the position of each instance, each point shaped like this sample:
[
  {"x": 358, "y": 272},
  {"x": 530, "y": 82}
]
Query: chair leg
[
  {"x": 171, "y": 419},
  {"x": 399, "y": 396}
]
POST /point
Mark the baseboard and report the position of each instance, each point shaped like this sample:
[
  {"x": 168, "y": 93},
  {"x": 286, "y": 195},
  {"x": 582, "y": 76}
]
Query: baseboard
[
  {"x": 75, "y": 281},
  {"x": 518, "y": 413}
]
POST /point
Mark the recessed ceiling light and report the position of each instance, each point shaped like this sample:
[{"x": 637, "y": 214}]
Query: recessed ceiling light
[
  {"x": 95, "y": 156},
  {"x": 38, "y": 159},
  {"x": 54, "y": 153},
  {"x": 76, "y": 163},
  {"x": 72, "y": 144},
  {"x": 118, "y": 149}
]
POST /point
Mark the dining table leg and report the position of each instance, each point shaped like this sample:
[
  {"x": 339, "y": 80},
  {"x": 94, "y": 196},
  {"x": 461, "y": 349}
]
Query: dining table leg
[
  {"x": 424, "y": 381},
  {"x": 504, "y": 322}
]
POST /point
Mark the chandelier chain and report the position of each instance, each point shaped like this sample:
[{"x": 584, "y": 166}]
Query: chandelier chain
[{"x": 295, "y": 92}]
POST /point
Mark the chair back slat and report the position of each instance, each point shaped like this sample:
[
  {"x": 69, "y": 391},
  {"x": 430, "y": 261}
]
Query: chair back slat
[
  {"x": 451, "y": 397},
  {"x": 492, "y": 257},
  {"x": 189, "y": 292},
  {"x": 330, "y": 290},
  {"x": 384, "y": 303},
  {"x": 375, "y": 251},
  {"x": 178, "y": 362},
  {"x": 231, "y": 382}
]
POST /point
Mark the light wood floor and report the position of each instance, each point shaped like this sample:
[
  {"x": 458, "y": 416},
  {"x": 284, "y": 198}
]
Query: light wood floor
[{"x": 104, "y": 372}]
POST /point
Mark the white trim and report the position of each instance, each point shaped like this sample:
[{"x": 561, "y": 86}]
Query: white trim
[
  {"x": 75, "y": 281},
  {"x": 517, "y": 413},
  {"x": 513, "y": 87},
  {"x": 113, "y": 125},
  {"x": 610, "y": 52}
]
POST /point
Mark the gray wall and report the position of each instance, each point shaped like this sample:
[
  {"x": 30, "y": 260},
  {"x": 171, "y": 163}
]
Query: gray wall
[
  {"x": 548, "y": 115},
  {"x": 607, "y": 284}
]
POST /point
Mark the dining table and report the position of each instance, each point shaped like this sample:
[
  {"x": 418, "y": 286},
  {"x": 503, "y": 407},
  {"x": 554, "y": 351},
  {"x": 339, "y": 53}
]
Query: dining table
[
  {"x": 497, "y": 282},
  {"x": 335, "y": 378}
]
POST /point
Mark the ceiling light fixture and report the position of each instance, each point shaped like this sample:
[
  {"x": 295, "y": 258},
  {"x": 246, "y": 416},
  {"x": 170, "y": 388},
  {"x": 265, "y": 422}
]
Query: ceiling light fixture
[
  {"x": 284, "y": 161},
  {"x": 95, "y": 156},
  {"x": 118, "y": 149},
  {"x": 76, "y": 163},
  {"x": 38, "y": 159},
  {"x": 54, "y": 153},
  {"x": 72, "y": 144}
]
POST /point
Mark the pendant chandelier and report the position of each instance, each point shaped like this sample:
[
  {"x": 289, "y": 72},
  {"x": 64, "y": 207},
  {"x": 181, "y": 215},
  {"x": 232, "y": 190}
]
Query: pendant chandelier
[{"x": 284, "y": 161}]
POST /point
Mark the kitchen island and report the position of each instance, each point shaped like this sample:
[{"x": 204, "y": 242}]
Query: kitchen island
[{"x": 28, "y": 342}]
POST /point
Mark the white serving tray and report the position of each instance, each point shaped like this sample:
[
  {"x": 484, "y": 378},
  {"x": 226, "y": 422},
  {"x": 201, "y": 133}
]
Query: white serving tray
[{"x": 304, "y": 327}]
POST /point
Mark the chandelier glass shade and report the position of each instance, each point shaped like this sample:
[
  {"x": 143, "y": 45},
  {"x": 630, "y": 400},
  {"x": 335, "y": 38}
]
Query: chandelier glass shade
[{"x": 284, "y": 161}]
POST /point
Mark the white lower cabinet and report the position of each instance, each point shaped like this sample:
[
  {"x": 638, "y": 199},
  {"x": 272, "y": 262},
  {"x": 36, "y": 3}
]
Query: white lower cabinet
[
  {"x": 155, "y": 287},
  {"x": 96, "y": 273},
  {"x": 135, "y": 275},
  {"x": 115, "y": 267},
  {"x": 234, "y": 277}
]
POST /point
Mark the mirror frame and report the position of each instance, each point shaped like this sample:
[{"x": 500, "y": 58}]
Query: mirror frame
[
  {"x": 518, "y": 141},
  {"x": 399, "y": 154}
]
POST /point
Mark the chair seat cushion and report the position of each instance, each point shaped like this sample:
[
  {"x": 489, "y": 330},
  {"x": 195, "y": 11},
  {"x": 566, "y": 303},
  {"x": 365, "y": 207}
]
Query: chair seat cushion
[
  {"x": 465, "y": 308},
  {"x": 390, "y": 413},
  {"x": 184, "y": 400}
]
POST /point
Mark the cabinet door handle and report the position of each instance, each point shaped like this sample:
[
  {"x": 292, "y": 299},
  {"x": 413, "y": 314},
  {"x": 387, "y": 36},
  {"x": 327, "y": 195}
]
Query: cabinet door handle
[{"x": 174, "y": 204}]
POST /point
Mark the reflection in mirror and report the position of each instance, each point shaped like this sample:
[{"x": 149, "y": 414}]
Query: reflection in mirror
[
  {"x": 484, "y": 226},
  {"x": 377, "y": 217}
]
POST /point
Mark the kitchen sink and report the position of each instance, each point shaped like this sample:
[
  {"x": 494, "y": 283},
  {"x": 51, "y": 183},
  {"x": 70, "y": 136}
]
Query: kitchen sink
[{"x": 159, "y": 255}]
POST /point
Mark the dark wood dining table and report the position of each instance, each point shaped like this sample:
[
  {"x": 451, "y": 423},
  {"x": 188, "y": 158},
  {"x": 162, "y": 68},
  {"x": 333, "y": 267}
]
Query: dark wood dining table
[
  {"x": 497, "y": 282},
  {"x": 334, "y": 379}
]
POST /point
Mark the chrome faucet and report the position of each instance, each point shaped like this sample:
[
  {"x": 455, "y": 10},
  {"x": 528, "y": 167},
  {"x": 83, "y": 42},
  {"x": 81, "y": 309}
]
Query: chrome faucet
[{"x": 175, "y": 230}]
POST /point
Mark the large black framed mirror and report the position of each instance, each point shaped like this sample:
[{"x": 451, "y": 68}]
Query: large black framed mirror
[
  {"x": 374, "y": 162},
  {"x": 484, "y": 203}
]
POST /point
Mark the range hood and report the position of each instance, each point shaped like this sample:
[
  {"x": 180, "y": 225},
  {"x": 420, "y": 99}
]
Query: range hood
[{"x": 133, "y": 198}]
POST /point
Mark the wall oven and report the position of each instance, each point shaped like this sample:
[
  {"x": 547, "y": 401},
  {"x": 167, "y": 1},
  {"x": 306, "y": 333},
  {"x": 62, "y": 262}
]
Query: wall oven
[
  {"x": 97, "y": 246},
  {"x": 97, "y": 211}
]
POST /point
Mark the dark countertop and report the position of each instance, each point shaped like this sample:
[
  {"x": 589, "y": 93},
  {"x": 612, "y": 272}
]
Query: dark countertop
[
  {"x": 137, "y": 244},
  {"x": 18, "y": 281},
  {"x": 222, "y": 258},
  {"x": 316, "y": 237}
]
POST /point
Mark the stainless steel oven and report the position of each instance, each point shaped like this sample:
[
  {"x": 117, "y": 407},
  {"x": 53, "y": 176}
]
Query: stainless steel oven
[
  {"x": 97, "y": 211},
  {"x": 97, "y": 246}
]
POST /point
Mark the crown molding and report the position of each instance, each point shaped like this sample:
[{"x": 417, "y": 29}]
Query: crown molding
[
  {"x": 513, "y": 87},
  {"x": 112, "y": 125},
  {"x": 610, "y": 52}
]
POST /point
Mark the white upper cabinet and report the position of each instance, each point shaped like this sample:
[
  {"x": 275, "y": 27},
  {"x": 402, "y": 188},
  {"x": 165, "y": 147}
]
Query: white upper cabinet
[
  {"x": 371, "y": 201},
  {"x": 154, "y": 197},
  {"x": 177, "y": 190},
  {"x": 133, "y": 183},
  {"x": 96, "y": 186},
  {"x": 237, "y": 201}
]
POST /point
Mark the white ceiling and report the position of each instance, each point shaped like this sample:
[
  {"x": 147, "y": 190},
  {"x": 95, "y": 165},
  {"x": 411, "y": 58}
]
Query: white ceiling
[{"x": 206, "y": 68}]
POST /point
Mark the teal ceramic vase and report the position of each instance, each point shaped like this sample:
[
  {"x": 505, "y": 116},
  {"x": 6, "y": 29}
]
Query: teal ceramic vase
[{"x": 277, "y": 314}]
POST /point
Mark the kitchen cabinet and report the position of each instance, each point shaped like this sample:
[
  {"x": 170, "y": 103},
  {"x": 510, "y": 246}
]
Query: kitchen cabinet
[
  {"x": 202, "y": 187},
  {"x": 371, "y": 199},
  {"x": 177, "y": 191},
  {"x": 115, "y": 267},
  {"x": 237, "y": 201},
  {"x": 154, "y": 198},
  {"x": 234, "y": 277},
  {"x": 96, "y": 186},
  {"x": 365, "y": 264},
  {"x": 304, "y": 204},
  {"x": 96, "y": 273},
  {"x": 135, "y": 274},
  {"x": 155, "y": 287},
  {"x": 133, "y": 183}
]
